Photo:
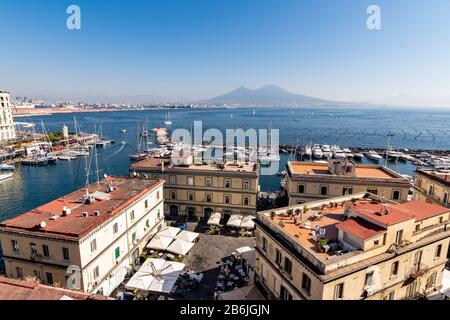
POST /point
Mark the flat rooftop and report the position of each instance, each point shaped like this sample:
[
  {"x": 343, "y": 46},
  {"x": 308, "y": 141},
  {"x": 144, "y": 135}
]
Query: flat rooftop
[
  {"x": 156, "y": 163},
  {"x": 442, "y": 177},
  {"x": 13, "y": 289},
  {"x": 74, "y": 226},
  {"x": 361, "y": 171}
]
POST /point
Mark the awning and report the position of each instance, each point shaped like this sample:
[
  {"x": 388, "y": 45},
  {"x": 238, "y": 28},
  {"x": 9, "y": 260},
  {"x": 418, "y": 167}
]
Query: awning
[
  {"x": 180, "y": 247},
  {"x": 249, "y": 254},
  {"x": 156, "y": 275},
  {"x": 248, "y": 223},
  {"x": 214, "y": 219},
  {"x": 170, "y": 232},
  {"x": 187, "y": 236},
  {"x": 160, "y": 243},
  {"x": 235, "y": 220}
]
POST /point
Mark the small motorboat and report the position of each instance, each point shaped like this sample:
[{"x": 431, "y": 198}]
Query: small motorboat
[
  {"x": 7, "y": 167},
  {"x": 373, "y": 155}
]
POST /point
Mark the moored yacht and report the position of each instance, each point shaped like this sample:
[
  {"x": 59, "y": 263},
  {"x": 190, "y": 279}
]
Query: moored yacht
[
  {"x": 317, "y": 152},
  {"x": 373, "y": 155}
]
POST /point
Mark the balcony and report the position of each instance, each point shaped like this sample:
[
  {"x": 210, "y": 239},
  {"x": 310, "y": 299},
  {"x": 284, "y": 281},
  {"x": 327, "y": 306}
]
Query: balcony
[{"x": 418, "y": 271}]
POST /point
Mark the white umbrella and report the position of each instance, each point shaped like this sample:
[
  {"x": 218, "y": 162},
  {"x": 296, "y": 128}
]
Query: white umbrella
[
  {"x": 235, "y": 221},
  {"x": 248, "y": 223},
  {"x": 187, "y": 236},
  {"x": 170, "y": 232},
  {"x": 249, "y": 254},
  {"x": 159, "y": 243},
  {"x": 180, "y": 247},
  {"x": 214, "y": 219}
]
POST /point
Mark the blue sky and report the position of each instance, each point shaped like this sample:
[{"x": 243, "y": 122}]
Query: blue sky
[{"x": 202, "y": 48}]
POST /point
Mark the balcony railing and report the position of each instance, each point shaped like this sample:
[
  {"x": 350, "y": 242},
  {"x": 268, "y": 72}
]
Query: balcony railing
[{"x": 418, "y": 270}]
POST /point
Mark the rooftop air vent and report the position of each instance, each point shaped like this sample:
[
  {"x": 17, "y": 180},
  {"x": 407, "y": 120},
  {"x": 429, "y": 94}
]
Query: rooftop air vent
[
  {"x": 96, "y": 213},
  {"x": 54, "y": 217},
  {"x": 85, "y": 214},
  {"x": 43, "y": 224}
]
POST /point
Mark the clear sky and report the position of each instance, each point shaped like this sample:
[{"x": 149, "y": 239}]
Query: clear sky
[{"x": 202, "y": 48}]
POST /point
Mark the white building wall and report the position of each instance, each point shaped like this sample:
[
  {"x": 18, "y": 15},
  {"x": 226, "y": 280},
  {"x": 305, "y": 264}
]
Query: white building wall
[{"x": 7, "y": 131}]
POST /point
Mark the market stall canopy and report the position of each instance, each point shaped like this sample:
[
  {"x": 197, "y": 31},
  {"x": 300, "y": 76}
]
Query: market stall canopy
[
  {"x": 170, "y": 232},
  {"x": 248, "y": 223},
  {"x": 214, "y": 219},
  {"x": 156, "y": 275},
  {"x": 235, "y": 220},
  {"x": 188, "y": 236},
  {"x": 249, "y": 255},
  {"x": 180, "y": 247},
  {"x": 160, "y": 243}
]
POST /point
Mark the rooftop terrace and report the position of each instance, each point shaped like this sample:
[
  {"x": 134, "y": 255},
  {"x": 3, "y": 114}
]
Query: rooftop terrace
[
  {"x": 49, "y": 219},
  {"x": 156, "y": 163}
]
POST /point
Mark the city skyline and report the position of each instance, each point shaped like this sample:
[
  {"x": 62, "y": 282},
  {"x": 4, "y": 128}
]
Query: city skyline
[{"x": 186, "y": 52}]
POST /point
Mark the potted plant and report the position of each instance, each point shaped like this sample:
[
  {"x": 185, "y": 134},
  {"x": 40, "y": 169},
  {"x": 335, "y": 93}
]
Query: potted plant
[
  {"x": 281, "y": 224},
  {"x": 272, "y": 215},
  {"x": 305, "y": 208}
]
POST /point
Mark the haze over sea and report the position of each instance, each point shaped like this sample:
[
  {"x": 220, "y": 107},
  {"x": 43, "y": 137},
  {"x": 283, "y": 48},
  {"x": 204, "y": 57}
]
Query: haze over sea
[{"x": 412, "y": 129}]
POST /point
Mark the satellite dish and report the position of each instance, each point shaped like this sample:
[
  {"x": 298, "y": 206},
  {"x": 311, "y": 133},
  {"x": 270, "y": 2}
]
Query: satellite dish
[{"x": 43, "y": 224}]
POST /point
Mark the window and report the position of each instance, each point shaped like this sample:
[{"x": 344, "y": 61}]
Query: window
[
  {"x": 431, "y": 190},
  {"x": 66, "y": 255},
  {"x": 226, "y": 199},
  {"x": 33, "y": 249},
  {"x": 306, "y": 283},
  {"x": 132, "y": 212},
  {"x": 347, "y": 190},
  {"x": 372, "y": 190},
  {"x": 438, "y": 252},
  {"x": 417, "y": 227},
  {"x": 287, "y": 265},
  {"x": 173, "y": 195},
  {"x": 339, "y": 291},
  {"x": 264, "y": 244},
  {"x": 190, "y": 196},
  {"x": 396, "y": 195},
  {"x": 246, "y": 184},
  {"x": 190, "y": 181},
  {"x": 172, "y": 180},
  {"x": 431, "y": 281},
  {"x": 445, "y": 198},
  {"x": 323, "y": 190},
  {"x": 394, "y": 268},
  {"x": 441, "y": 219},
  {"x": 227, "y": 183},
  {"x": 37, "y": 275},
  {"x": 45, "y": 250},
  {"x": 93, "y": 245},
  {"x": 15, "y": 246},
  {"x": 96, "y": 272},
  {"x": 147, "y": 222},
  {"x": 49, "y": 277},
  {"x": 285, "y": 294},
  {"x": 399, "y": 237},
  {"x": 246, "y": 201},
  {"x": 301, "y": 188},
  {"x": 208, "y": 198},
  {"x": 208, "y": 182},
  {"x": 157, "y": 195},
  {"x": 145, "y": 205},
  {"x": 159, "y": 214},
  {"x": 277, "y": 256},
  {"x": 115, "y": 228},
  {"x": 390, "y": 296},
  {"x": 133, "y": 236},
  {"x": 376, "y": 242},
  {"x": 369, "y": 279},
  {"x": 19, "y": 273},
  {"x": 117, "y": 253}
]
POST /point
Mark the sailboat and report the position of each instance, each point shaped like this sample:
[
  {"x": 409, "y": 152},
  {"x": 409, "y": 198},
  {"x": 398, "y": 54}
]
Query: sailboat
[{"x": 168, "y": 121}]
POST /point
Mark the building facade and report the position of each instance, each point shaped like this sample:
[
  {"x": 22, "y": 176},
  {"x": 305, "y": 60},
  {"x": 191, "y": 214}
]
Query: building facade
[
  {"x": 308, "y": 181},
  {"x": 7, "y": 131},
  {"x": 86, "y": 240},
  {"x": 197, "y": 190},
  {"x": 351, "y": 248},
  {"x": 432, "y": 187}
]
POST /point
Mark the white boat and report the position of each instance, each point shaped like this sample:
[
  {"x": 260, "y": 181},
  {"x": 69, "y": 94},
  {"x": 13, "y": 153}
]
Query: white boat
[
  {"x": 373, "y": 155},
  {"x": 168, "y": 122},
  {"x": 317, "y": 152},
  {"x": 4, "y": 176},
  {"x": 358, "y": 155},
  {"x": 338, "y": 153},
  {"x": 327, "y": 151},
  {"x": 348, "y": 153},
  {"x": 308, "y": 151},
  {"x": 6, "y": 167}
]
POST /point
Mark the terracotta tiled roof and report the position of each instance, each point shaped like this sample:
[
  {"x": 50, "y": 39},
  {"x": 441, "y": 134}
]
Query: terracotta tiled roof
[
  {"x": 423, "y": 210},
  {"x": 360, "y": 228},
  {"x": 12, "y": 289},
  {"x": 75, "y": 225}
]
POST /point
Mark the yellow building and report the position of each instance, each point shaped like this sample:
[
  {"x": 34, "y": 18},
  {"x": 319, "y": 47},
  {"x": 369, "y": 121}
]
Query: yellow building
[
  {"x": 353, "y": 247},
  {"x": 85, "y": 240},
  {"x": 432, "y": 187},
  {"x": 201, "y": 189},
  {"x": 311, "y": 181}
]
